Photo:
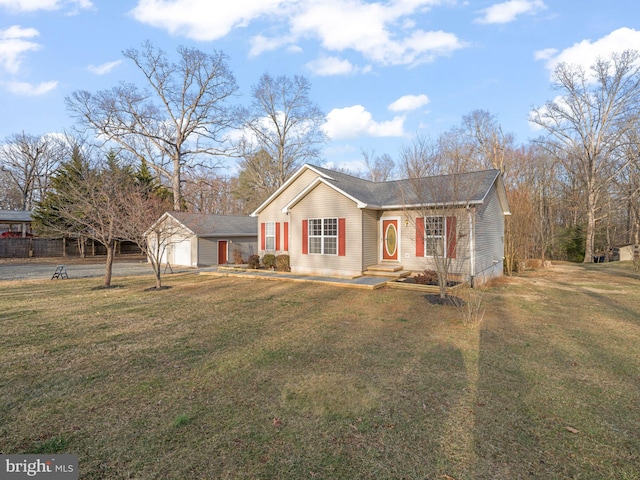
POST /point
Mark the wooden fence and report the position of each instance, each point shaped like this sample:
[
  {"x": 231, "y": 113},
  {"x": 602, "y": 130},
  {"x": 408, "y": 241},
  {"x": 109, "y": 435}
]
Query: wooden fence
[{"x": 58, "y": 247}]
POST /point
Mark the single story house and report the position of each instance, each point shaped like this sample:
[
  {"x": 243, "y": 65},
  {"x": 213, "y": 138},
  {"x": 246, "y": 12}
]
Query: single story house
[
  {"x": 332, "y": 223},
  {"x": 196, "y": 239}
]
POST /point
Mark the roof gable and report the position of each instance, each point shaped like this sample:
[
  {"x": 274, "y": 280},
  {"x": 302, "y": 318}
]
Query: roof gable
[{"x": 285, "y": 185}]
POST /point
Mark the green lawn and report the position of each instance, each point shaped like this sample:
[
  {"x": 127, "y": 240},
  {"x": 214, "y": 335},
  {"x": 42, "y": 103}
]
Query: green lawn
[{"x": 221, "y": 378}]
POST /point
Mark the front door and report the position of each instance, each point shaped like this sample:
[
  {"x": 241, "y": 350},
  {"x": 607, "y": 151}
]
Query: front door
[
  {"x": 222, "y": 252},
  {"x": 390, "y": 239}
]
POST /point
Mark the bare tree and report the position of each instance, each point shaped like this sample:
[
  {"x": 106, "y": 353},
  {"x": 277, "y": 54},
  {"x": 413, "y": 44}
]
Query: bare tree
[
  {"x": 443, "y": 204},
  {"x": 534, "y": 197},
  {"x": 420, "y": 158},
  {"x": 181, "y": 116},
  {"x": 142, "y": 214},
  {"x": 628, "y": 186},
  {"x": 282, "y": 126},
  {"x": 380, "y": 168},
  {"x": 207, "y": 192},
  {"x": 490, "y": 146},
  {"x": 589, "y": 122},
  {"x": 86, "y": 201},
  {"x": 28, "y": 162}
]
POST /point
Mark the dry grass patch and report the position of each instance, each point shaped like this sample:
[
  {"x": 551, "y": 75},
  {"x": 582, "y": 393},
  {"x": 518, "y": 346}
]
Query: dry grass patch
[{"x": 240, "y": 378}]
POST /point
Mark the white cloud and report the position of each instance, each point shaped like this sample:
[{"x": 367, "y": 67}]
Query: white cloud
[
  {"x": 585, "y": 53},
  {"x": 104, "y": 68},
  {"x": 203, "y": 20},
  {"x": 409, "y": 102},
  {"x": 261, "y": 44},
  {"x": 325, "y": 66},
  {"x": 545, "y": 54},
  {"x": 508, "y": 11},
  {"x": 384, "y": 31},
  {"x": 372, "y": 30},
  {"x": 35, "y": 5},
  {"x": 351, "y": 122},
  {"x": 328, "y": 65},
  {"x": 13, "y": 45},
  {"x": 29, "y": 90}
]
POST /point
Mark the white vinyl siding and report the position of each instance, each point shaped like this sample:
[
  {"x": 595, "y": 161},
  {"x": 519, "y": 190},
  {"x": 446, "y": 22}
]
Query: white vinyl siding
[
  {"x": 370, "y": 238},
  {"x": 207, "y": 251},
  {"x": 408, "y": 259},
  {"x": 273, "y": 211},
  {"x": 324, "y": 202},
  {"x": 489, "y": 238}
]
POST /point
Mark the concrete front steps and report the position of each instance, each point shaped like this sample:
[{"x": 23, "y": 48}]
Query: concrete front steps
[{"x": 388, "y": 270}]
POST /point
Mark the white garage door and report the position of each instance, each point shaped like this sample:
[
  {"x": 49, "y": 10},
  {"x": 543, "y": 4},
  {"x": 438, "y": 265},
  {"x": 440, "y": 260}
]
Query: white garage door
[{"x": 182, "y": 253}]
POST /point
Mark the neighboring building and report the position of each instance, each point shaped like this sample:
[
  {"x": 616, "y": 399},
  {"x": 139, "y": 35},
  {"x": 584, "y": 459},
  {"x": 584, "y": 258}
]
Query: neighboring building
[
  {"x": 195, "y": 239},
  {"x": 624, "y": 252},
  {"x": 331, "y": 223},
  {"x": 15, "y": 223}
]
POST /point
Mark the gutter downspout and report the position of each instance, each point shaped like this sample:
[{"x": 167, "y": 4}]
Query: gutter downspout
[{"x": 472, "y": 246}]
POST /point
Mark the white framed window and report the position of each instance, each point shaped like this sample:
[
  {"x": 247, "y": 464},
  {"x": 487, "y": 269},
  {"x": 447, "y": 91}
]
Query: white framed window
[
  {"x": 270, "y": 236},
  {"x": 323, "y": 236},
  {"x": 434, "y": 236}
]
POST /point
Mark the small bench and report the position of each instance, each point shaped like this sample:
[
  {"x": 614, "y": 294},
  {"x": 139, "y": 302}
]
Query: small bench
[{"x": 60, "y": 272}]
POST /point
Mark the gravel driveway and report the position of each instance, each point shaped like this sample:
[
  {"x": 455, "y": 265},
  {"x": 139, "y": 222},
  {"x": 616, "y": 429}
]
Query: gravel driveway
[{"x": 41, "y": 269}]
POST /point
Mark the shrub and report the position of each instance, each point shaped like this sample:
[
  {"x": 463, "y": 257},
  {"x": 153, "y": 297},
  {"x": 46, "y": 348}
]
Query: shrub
[
  {"x": 269, "y": 260},
  {"x": 428, "y": 277},
  {"x": 282, "y": 263},
  {"x": 237, "y": 256},
  {"x": 254, "y": 261}
]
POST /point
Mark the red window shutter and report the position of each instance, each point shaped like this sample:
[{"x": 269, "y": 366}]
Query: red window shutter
[
  {"x": 451, "y": 237},
  {"x": 305, "y": 237},
  {"x": 286, "y": 237},
  {"x": 277, "y": 236},
  {"x": 263, "y": 233},
  {"x": 342, "y": 237},
  {"x": 420, "y": 237}
]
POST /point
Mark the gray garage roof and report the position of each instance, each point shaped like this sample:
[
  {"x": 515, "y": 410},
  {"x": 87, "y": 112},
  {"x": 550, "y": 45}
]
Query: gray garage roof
[{"x": 204, "y": 225}]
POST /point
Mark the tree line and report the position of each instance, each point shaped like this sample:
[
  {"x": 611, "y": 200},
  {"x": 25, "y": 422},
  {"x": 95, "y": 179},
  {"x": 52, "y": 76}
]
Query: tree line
[{"x": 574, "y": 191}]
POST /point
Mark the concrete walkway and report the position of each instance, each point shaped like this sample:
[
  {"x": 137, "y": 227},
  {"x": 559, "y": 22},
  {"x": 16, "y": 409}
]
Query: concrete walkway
[{"x": 370, "y": 283}]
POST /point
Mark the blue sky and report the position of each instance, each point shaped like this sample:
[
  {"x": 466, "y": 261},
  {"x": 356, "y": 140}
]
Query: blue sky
[{"x": 382, "y": 71}]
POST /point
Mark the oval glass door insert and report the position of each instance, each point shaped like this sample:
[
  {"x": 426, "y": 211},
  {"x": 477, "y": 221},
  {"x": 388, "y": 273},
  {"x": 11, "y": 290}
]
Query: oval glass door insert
[{"x": 391, "y": 242}]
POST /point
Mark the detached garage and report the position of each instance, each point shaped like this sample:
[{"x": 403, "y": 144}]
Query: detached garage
[{"x": 199, "y": 240}]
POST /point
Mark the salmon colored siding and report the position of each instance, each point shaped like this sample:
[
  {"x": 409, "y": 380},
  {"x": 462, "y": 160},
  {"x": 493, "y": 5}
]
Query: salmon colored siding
[
  {"x": 419, "y": 237},
  {"x": 286, "y": 237},
  {"x": 342, "y": 232},
  {"x": 305, "y": 237}
]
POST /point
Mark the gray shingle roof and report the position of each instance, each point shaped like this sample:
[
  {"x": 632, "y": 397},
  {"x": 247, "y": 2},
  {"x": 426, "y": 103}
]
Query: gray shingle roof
[
  {"x": 217, "y": 225},
  {"x": 15, "y": 216},
  {"x": 460, "y": 188}
]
